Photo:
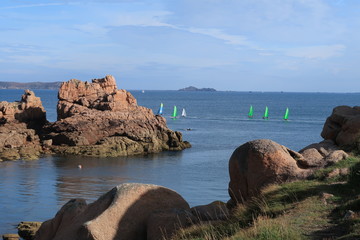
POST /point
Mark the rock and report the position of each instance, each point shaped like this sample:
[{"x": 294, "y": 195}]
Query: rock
[
  {"x": 27, "y": 230},
  {"x": 349, "y": 215},
  {"x": 259, "y": 163},
  {"x": 19, "y": 127},
  {"x": 214, "y": 211},
  {"x": 11, "y": 236},
  {"x": 321, "y": 154},
  {"x": 122, "y": 213},
  {"x": 325, "y": 196},
  {"x": 28, "y": 110},
  {"x": 343, "y": 127},
  {"x": 97, "y": 119},
  {"x": 163, "y": 224},
  {"x": 62, "y": 220},
  {"x": 338, "y": 172}
]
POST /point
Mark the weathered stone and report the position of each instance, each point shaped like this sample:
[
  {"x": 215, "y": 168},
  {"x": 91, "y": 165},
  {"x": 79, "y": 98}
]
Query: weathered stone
[
  {"x": 321, "y": 154},
  {"x": 324, "y": 197},
  {"x": 10, "y": 236},
  {"x": 29, "y": 109},
  {"x": 19, "y": 124},
  {"x": 121, "y": 213},
  {"x": 338, "y": 172},
  {"x": 216, "y": 210},
  {"x": 343, "y": 127},
  {"x": 27, "y": 230},
  {"x": 259, "y": 163}
]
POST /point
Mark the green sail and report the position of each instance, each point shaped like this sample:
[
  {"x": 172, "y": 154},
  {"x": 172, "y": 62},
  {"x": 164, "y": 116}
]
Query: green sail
[
  {"x": 175, "y": 112},
  {"x": 286, "y": 115},
  {"x": 251, "y": 112},
  {"x": 266, "y": 113}
]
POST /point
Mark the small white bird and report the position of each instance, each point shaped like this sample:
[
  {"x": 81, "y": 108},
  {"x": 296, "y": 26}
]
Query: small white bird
[{"x": 79, "y": 166}]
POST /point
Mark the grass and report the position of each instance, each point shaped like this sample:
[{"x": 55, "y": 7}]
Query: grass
[{"x": 294, "y": 210}]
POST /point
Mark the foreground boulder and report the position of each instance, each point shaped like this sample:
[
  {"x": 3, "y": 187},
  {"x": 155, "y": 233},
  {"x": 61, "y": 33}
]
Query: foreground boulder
[
  {"x": 20, "y": 123},
  {"x": 259, "y": 163},
  {"x": 98, "y": 119},
  {"x": 343, "y": 127},
  {"x": 125, "y": 212}
]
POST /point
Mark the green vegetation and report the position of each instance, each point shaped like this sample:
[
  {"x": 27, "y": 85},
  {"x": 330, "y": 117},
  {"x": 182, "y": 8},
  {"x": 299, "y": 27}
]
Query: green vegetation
[{"x": 324, "y": 207}]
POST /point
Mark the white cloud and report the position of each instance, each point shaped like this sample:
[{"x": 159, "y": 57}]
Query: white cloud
[{"x": 316, "y": 52}]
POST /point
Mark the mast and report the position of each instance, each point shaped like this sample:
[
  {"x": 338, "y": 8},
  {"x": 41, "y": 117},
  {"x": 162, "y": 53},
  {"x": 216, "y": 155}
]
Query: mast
[
  {"x": 266, "y": 113},
  {"x": 251, "y": 112},
  {"x": 286, "y": 116}
]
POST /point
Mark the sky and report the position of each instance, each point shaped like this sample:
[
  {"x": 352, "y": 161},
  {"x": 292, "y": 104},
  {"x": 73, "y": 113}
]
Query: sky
[{"x": 238, "y": 45}]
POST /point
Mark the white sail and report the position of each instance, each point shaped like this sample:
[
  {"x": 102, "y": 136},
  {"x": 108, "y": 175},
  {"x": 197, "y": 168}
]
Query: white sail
[{"x": 183, "y": 113}]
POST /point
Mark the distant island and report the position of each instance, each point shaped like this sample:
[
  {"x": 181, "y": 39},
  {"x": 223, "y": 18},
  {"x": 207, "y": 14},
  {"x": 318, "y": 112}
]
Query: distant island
[
  {"x": 194, "y": 89},
  {"x": 30, "y": 85}
]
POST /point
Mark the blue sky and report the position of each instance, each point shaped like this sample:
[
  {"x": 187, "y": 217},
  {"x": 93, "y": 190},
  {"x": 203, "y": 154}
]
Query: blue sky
[{"x": 240, "y": 45}]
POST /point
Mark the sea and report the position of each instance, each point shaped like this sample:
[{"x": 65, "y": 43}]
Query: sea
[{"x": 216, "y": 124}]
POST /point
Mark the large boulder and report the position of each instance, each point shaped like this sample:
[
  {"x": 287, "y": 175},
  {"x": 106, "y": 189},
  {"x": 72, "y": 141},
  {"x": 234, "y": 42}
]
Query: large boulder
[
  {"x": 343, "y": 127},
  {"x": 98, "y": 119},
  {"x": 122, "y": 213},
  {"x": 259, "y": 163},
  {"x": 20, "y": 123}
]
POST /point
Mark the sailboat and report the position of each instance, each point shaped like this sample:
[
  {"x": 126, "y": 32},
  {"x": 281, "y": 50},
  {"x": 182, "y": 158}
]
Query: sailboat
[
  {"x": 251, "y": 112},
  {"x": 286, "y": 115},
  {"x": 266, "y": 113},
  {"x": 174, "y": 115},
  {"x": 160, "y": 111},
  {"x": 183, "y": 113}
]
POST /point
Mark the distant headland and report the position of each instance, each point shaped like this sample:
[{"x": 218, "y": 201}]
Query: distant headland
[
  {"x": 194, "y": 89},
  {"x": 30, "y": 85}
]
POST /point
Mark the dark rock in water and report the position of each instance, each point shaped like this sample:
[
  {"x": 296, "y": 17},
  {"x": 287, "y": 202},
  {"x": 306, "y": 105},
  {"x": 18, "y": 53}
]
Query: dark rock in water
[
  {"x": 27, "y": 230},
  {"x": 343, "y": 127},
  {"x": 124, "y": 212},
  {"x": 259, "y": 163},
  {"x": 19, "y": 127},
  {"x": 98, "y": 119}
]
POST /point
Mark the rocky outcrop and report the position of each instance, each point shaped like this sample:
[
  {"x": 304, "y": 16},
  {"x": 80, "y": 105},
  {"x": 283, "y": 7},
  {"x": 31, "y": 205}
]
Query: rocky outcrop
[
  {"x": 98, "y": 119},
  {"x": 125, "y": 212},
  {"x": 28, "y": 110},
  {"x": 20, "y": 123},
  {"x": 321, "y": 154},
  {"x": 259, "y": 163},
  {"x": 343, "y": 127}
]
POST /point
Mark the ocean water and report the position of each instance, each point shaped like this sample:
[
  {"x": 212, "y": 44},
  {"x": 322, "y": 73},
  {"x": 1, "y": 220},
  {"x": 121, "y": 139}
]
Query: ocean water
[{"x": 35, "y": 190}]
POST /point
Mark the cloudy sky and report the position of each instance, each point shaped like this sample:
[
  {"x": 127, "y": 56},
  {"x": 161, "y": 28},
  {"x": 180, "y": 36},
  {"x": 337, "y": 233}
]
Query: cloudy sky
[{"x": 241, "y": 45}]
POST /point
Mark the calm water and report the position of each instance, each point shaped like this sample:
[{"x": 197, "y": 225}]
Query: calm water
[{"x": 35, "y": 190}]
